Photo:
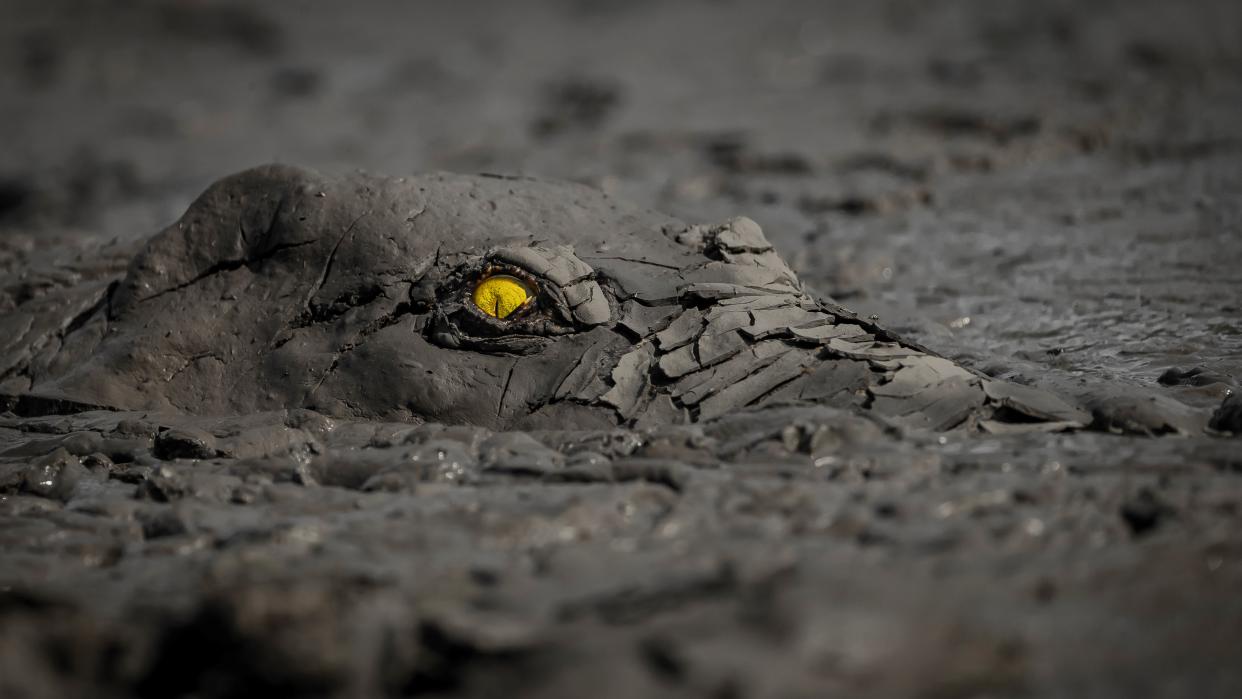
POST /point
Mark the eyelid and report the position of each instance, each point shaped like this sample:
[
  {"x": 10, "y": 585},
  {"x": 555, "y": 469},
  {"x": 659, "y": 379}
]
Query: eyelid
[{"x": 557, "y": 265}]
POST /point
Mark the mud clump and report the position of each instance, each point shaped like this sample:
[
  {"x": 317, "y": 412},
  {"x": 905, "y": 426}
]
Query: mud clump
[{"x": 1228, "y": 417}]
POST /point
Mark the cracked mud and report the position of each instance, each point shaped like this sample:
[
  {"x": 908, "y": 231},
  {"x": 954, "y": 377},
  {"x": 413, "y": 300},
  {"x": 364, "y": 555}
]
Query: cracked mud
[{"x": 276, "y": 448}]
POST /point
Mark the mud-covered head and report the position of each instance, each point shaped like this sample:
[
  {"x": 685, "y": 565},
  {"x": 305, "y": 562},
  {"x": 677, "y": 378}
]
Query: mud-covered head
[
  {"x": 440, "y": 297},
  {"x": 501, "y": 302}
]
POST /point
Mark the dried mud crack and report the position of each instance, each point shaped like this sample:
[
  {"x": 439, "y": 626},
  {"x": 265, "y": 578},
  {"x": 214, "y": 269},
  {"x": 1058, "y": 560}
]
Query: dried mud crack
[{"x": 256, "y": 440}]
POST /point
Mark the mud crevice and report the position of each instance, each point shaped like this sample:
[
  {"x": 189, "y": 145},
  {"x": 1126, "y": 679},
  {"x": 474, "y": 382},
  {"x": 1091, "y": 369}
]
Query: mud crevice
[
  {"x": 104, "y": 302},
  {"x": 326, "y": 270},
  {"x": 228, "y": 266}
]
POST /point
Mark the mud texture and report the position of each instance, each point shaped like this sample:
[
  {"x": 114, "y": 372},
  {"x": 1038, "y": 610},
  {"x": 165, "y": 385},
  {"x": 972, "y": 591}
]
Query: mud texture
[
  {"x": 354, "y": 297},
  {"x": 273, "y": 449}
]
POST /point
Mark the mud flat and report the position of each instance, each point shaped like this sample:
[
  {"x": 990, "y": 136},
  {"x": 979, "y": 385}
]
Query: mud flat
[{"x": 1046, "y": 195}]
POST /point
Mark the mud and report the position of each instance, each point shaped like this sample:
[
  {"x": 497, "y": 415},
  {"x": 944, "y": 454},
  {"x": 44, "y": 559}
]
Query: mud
[{"x": 1045, "y": 196}]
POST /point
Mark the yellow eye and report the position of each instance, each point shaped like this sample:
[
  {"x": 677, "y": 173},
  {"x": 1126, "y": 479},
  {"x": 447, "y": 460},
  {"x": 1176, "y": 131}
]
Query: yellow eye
[{"x": 499, "y": 295}]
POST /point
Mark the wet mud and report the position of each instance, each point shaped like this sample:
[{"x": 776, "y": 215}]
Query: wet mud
[{"x": 875, "y": 349}]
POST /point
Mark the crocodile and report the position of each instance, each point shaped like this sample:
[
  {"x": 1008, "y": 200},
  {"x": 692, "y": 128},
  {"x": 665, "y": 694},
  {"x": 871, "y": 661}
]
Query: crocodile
[{"x": 504, "y": 302}]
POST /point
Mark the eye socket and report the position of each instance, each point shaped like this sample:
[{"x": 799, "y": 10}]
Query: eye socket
[{"x": 500, "y": 295}]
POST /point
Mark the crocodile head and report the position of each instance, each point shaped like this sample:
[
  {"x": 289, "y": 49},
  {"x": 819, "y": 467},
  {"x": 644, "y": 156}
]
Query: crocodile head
[{"x": 497, "y": 301}]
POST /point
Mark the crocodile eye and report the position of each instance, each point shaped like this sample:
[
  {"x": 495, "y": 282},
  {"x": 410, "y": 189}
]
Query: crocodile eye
[{"x": 499, "y": 295}]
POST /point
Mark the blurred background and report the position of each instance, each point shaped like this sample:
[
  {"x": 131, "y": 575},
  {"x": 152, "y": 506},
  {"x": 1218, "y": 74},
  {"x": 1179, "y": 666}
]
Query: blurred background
[{"x": 1056, "y": 183}]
